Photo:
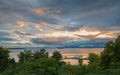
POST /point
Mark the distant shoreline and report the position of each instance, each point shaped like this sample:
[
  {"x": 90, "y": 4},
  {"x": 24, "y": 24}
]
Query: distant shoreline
[{"x": 54, "y": 48}]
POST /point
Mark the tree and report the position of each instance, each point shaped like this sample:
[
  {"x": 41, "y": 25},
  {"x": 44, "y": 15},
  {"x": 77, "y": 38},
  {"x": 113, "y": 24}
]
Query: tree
[
  {"x": 117, "y": 50},
  {"x": 57, "y": 55},
  {"x": 40, "y": 54},
  {"x": 12, "y": 61},
  {"x": 4, "y": 58},
  {"x": 92, "y": 58},
  {"x": 25, "y": 56},
  {"x": 80, "y": 61},
  {"x": 42, "y": 66},
  {"x": 111, "y": 54},
  {"x": 105, "y": 61}
]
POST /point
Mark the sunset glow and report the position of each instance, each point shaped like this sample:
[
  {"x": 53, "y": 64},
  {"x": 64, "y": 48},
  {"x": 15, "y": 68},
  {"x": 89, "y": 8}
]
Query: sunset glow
[{"x": 62, "y": 23}]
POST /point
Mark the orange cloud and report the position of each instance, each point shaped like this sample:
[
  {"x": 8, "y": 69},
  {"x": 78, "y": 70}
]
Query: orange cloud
[
  {"x": 36, "y": 25},
  {"x": 13, "y": 35},
  {"x": 107, "y": 34},
  {"x": 43, "y": 11},
  {"x": 22, "y": 23},
  {"x": 59, "y": 35},
  {"x": 79, "y": 34},
  {"x": 84, "y": 32},
  {"x": 39, "y": 25},
  {"x": 40, "y": 11},
  {"x": 43, "y": 23},
  {"x": 104, "y": 36}
]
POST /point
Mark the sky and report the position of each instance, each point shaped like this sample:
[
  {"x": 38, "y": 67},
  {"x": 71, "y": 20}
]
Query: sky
[{"x": 58, "y": 23}]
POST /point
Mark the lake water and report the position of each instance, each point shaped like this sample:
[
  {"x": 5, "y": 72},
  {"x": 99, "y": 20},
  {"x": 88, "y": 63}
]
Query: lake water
[{"x": 66, "y": 52}]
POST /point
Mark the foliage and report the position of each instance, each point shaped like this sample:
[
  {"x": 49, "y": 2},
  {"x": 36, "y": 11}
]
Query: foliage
[
  {"x": 80, "y": 61},
  {"x": 92, "y": 58},
  {"x": 40, "y": 54},
  {"x": 110, "y": 57},
  {"x": 25, "y": 56},
  {"x": 57, "y": 55},
  {"x": 105, "y": 61},
  {"x": 111, "y": 54},
  {"x": 71, "y": 70},
  {"x": 4, "y": 58},
  {"x": 42, "y": 66},
  {"x": 38, "y": 63},
  {"x": 28, "y": 55}
]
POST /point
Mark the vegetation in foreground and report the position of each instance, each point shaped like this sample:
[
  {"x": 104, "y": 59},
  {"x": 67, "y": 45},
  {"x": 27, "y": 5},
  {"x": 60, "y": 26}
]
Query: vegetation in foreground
[{"x": 38, "y": 63}]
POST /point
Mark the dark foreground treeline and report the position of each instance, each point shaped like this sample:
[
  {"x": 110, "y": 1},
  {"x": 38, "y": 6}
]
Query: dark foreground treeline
[{"x": 39, "y": 62}]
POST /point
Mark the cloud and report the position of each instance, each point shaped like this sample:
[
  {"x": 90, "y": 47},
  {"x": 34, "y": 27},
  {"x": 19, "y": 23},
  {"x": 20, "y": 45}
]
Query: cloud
[
  {"x": 22, "y": 23},
  {"x": 40, "y": 11},
  {"x": 21, "y": 33},
  {"x": 85, "y": 43},
  {"x": 37, "y": 26},
  {"x": 57, "y": 36},
  {"x": 5, "y": 37},
  {"x": 44, "y": 11},
  {"x": 59, "y": 22},
  {"x": 42, "y": 41},
  {"x": 79, "y": 34}
]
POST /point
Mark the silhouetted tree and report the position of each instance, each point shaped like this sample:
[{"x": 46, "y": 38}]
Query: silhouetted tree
[
  {"x": 111, "y": 54},
  {"x": 4, "y": 58},
  {"x": 92, "y": 58},
  {"x": 80, "y": 61},
  {"x": 105, "y": 61},
  {"x": 25, "y": 56},
  {"x": 12, "y": 61},
  {"x": 40, "y": 54},
  {"x": 57, "y": 55}
]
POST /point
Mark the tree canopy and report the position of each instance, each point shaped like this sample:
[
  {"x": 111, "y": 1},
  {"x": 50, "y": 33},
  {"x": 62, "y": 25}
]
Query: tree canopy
[
  {"x": 57, "y": 55},
  {"x": 4, "y": 57}
]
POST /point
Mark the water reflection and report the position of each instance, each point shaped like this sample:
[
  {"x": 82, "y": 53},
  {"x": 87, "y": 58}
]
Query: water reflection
[
  {"x": 72, "y": 52},
  {"x": 66, "y": 52}
]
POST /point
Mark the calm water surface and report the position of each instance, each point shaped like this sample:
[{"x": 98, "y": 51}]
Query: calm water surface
[{"x": 66, "y": 52}]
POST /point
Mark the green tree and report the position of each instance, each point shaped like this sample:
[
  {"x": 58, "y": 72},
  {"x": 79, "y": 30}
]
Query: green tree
[
  {"x": 117, "y": 50},
  {"x": 4, "y": 58},
  {"x": 25, "y": 56},
  {"x": 40, "y": 54},
  {"x": 105, "y": 61},
  {"x": 12, "y": 61},
  {"x": 57, "y": 55},
  {"x": 42, "y": 66},
  {"x": 92, "y": 58},
  {"x": 111, "y": 54},
  {"x": 80, "y": 61}
]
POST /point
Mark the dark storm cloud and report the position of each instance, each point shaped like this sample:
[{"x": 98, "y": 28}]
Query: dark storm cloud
[
  {"x": 22, "y": 33},
  {"x": 63, "y": 15},
  {"x": 32, "y": 17},
  {"x": 78, "y": 7},
  {"x": 7, "y": 6},
  {"x": 22, "y": 10},
  {"x": 71, "y": 43},
  {"x": 4, "y": 36},
  {"x": 96, "y": 13},
  {"x": 86, "y": 43},
  {"x": 91, "y": 12},
  {"x": 44, "y": 41}
]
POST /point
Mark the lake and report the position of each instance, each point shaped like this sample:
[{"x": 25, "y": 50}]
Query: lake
[{"x": 66, "y": 52}]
